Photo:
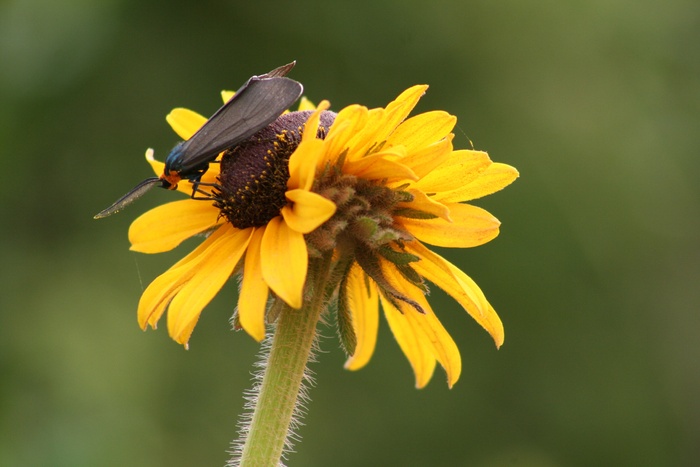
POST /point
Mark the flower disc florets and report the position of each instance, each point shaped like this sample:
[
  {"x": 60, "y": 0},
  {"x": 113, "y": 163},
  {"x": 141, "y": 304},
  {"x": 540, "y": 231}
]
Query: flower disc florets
[{"x": 253, "y": 179}]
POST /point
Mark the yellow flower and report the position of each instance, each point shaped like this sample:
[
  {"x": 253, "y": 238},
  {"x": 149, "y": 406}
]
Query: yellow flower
[
  {"x": 188, "y": 286},
  {"x": 367, "y": 187}
]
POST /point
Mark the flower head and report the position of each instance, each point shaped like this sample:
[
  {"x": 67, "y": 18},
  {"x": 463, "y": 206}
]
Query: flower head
[{"x": 367, "y": 188}]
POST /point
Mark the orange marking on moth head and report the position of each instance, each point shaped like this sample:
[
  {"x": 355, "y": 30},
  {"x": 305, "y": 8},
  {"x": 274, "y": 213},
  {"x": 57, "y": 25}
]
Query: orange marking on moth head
[{"x": 171, "y": 179}]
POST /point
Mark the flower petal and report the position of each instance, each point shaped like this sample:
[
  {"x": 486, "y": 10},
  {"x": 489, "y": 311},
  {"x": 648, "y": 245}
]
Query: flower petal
[
  {"x": 494, "y": 178},
  {"x": 252, "y": 299},
  {"x": 227, "y": 95},
  {"x": 284, "y": 261},
  {"x": 422, "y": 202},
  {"x": 398, "y": 110},
  {"x": 424, "y": 160},
  {"x": 166, "y": 226},
  {"x": 215, "y": 266},
  {"x": 307, "y": 211},
  {"x": 423, "y": 130},
  {"x": 158, "y": 294},
  {"x": 471, "y": 226},
  {"x": 412, "y": 343},
  {"x": 348, "y": 124},
  {"x": 364, "y": 307},
  {"x": 438, "y": 339},
  {"x": 303, "y": 162},
  {"x": 379, "y": 166},
  {"x": 460, "y": 168},
  {"x": 459, "y": 286},
  {"x": 306, "y": 104},
  {"x": 185, "y": 122}
]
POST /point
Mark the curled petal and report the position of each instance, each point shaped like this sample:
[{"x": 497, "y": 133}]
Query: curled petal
[
  {"x": 364, "y": 308},
  {"x": 348, "y": 124},
  {"x": 398, "y": 110},
  {"x": 284, "y": 260},
  {"x": 185, "y": 122},
  {"x": 471, "y": 226},
  {"x": 307, "y": 211},
  {"x": 252, "y": 299},
  {"x": 166, "y": 226}
]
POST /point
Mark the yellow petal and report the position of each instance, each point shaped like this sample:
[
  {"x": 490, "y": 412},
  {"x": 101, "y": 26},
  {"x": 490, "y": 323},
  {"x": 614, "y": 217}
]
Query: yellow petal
[
  {"x": 423, "y": 130},
  {"x": 159, "y": 293},
  {"x": 303, "y": 162},
  {"x": 377, "y": 167},
  {"x": 412, "y": 343},
  {"x": 425, "y": 160},
  {"x": 398, "y": 110},
  {"x": 436, "y": 336},
  {"x": 364, "y": 308},
  {"x": 166, "y": 226},
  {"x": 185, "y": 122},
  {"x": 307, "y": 210},
  {"x": 157, "y": 166},
  {"x": 227, "y": 95},
  {"x": 284, "y": 261},
  {"x": 460, "y": 168},
  {"x": 366, "y": 140},
  {"x": 347, "y": 124},
  {"x": 306, "y": 104},
  {"x": 215, "y": 266},
  {"x": 494, "y": 178},
  {"x": 471, "y": 226},
  {"x": 459, "y": 286},
  {"x": 422, "y": 202},
  {"x": 252, "y": 299}
]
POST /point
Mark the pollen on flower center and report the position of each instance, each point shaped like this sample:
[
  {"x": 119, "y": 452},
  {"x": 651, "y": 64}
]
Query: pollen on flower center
[{"x": 254, "y": 174}]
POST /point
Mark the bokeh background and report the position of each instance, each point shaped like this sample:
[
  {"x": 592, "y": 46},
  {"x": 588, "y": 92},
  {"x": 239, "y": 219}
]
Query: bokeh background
[{"x": 595, "y": 273}]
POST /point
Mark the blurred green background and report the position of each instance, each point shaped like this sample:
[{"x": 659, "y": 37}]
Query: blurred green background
[{"x": 595, "y": 274}]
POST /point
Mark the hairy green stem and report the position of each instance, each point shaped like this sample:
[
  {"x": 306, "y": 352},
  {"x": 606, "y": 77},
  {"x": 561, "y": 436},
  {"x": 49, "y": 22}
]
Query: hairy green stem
[{"x": 284, "y": 373}]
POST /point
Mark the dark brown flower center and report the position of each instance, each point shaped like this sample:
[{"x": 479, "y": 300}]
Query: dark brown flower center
[{"x": 254, "y": 174}]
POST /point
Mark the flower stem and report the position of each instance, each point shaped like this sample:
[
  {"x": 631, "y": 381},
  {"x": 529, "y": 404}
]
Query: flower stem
[{"x": 284, "y": 375}]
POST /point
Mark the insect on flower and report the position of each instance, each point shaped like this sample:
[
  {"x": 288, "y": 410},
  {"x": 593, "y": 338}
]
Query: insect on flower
[{"x": 253, "y": 107}]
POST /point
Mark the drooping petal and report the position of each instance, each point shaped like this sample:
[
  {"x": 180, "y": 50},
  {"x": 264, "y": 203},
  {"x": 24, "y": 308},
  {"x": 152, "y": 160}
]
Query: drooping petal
[
  {"x": 438, "y": 339},
  {"x": 185, "y": 122},
  {"x": 254, "y": 291},
  {"x": 284, "y": 260},
  {"x": 460, "y": 168},
  {"x": 412, "y": 342},
  {"x": 307, "y": 211},
  {"x": 494, "y": 178},
  {"x": 214, "y": 268},
  {"x": 364, "y": 308},
  {"x": 166, "y": 226},
  {"x": 471, "y": 226},
  {"x": 423, "y": 130},
  {"x": 158, "y": 294},
  {"x": 459, "y": 286}
]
